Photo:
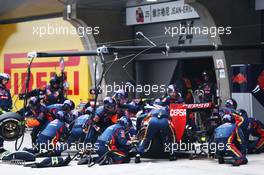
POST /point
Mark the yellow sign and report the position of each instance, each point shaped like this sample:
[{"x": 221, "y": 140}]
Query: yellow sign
[{"x": 16, "y": 40}]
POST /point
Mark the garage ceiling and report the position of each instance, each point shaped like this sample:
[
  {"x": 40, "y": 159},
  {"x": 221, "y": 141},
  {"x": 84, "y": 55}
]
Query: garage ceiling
[
  {"x": 12, "y": 9},
  {"x": 103, "y": 4}
]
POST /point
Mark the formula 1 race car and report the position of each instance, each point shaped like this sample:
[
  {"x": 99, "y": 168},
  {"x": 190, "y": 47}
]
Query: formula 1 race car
[{"x": 183, "y": 129}]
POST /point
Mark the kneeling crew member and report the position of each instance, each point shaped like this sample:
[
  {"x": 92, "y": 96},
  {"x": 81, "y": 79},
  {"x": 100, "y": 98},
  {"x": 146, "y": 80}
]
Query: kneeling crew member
[
  {"x": 232, "y": 137},
  {"x": 114, "y": 141},
  {"x": 256, "y": 130}
]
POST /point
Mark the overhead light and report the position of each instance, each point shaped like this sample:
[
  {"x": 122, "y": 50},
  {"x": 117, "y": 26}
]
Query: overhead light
[{"x": 152, "y": 0}]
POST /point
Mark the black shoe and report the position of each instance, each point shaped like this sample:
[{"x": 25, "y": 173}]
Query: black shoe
[
  {"x": 84, "y": 161},
  {"x": 221, "y": 160},
  {"x": 237, "y": 163},
  {"x": 2, "y": 150},
  {"x": 172, "y": 157},
  {"x": 137, "y": 159},
  {"x": 106, "y": 161},
  {"x": 244, "y": 162},
  {"x": 67, "y": 161}
]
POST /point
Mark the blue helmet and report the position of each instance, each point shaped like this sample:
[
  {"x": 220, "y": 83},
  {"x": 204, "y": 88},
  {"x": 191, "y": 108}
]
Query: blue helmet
[
  {"x": 130, "y": 107},
  {"x": 243, "y": 113},
  {"x": 109, "y": 103},
  {"x": 157, "y": 101},
  {"x": 68, "y": 105},
  {"x": 61, "y": 115},
  {"x": 125, "y": 122},
  {"x": 231, "y": 103},
  {"x": 172, "y": 88},
  {"x": 54, "y": 80},
  {"x": 75, "y": 114},
  {"x": 33, "y": 102},
  {"x": 119, "y": 95},
  {"x": 89, "y": 110},
  {"x": 4, "y": 76}
]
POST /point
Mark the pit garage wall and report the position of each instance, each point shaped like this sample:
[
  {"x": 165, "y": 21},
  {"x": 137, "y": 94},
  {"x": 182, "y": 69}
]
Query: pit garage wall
[
  {"x": 246, "y": 29},
  {"x": 245, "y": 23},
  {"x": 222, "y": 13},
  {"x": 112, "y": 29},
  {"x": 158, "y": 69}
]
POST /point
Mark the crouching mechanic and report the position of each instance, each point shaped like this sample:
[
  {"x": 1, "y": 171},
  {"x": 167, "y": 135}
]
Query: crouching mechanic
[
  {"x": 67, "y": 105},
  {"x": 5, "y": 101},
  {"x": 53, "y": 93},
  {"x": 47, "y": 141},
  {"x": 54, "y": 132},
  {"x": 105, "y": 116},
  {"x": 158, "y": 123},
  {"x": 240, "y": 116},
  {"x": 39, "y": 121},
  {"x": 256, "y": 130},
  {"x": 113, "y": 143},
  {"x": 5, "y": 96},
  {"x": 174, "y": 96},
  {"x": 76, "y": 129},
  {"x": 231, "y": 136}
]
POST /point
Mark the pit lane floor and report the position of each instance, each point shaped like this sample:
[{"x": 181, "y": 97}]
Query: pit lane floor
[{"x": 147, "y": 167}]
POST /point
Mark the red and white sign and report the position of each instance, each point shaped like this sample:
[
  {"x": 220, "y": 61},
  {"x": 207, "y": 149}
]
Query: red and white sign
[
  {"x": 171, "y": 11},
  {"x": 178, "y": 114},
  {"x": 200, "y": 106},
  {"x": 15, "y": 65}
]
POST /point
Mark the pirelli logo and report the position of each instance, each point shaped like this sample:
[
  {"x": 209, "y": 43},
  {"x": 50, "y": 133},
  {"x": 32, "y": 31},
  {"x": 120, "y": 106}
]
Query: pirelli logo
[{"x": 42, "y": 69}]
